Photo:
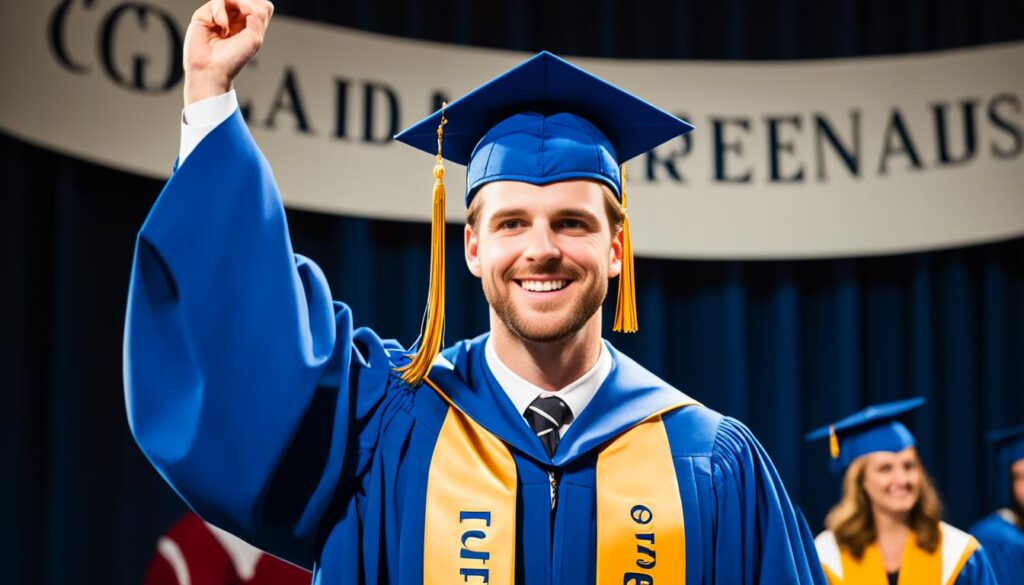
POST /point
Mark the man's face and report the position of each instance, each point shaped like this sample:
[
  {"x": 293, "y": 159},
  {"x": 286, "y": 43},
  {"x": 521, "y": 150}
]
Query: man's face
[{"x": 544, "y": 255}]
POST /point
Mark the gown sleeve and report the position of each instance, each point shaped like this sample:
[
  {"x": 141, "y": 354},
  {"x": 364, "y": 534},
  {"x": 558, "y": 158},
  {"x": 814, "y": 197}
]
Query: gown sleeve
[
  {"x": 246, "y": 386},
  {"x": 758, "y": 536},
  {"x": 977, "y": 570}
]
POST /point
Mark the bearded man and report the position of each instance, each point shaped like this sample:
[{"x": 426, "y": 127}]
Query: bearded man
[{"x": 536, "y": 453}]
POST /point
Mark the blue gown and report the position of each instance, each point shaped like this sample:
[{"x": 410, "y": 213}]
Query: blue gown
[
  {"x": 252, "y": 394},
  {"x": 1004, "y": 544},
  {"x": 979, "y": 570}
]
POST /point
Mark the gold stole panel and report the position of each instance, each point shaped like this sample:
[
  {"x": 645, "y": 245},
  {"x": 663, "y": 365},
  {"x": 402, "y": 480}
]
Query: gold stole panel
[
  {"x": 639, "y": 511},
  {"x": 917, "y": 567},
  {"x": 470, "y": 524}
]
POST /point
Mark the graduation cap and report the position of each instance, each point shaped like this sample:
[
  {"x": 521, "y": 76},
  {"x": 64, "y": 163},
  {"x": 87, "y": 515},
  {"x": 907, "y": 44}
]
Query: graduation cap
[
  {"x": 876, "y": 428},
  {"x": 1009, "y": 444},
  {"x": 545, "y": 120}
]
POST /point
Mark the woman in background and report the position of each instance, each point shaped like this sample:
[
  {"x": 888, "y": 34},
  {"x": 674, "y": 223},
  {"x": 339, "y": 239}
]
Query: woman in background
[
  {"x": 888, "y": 528},
  {"x": 1002, "y": 532}
]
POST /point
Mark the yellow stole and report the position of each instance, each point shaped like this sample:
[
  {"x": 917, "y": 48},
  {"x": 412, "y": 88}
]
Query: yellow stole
[
  {"x": 917, "y": 566},
  {"x": 471, "y": 501}
]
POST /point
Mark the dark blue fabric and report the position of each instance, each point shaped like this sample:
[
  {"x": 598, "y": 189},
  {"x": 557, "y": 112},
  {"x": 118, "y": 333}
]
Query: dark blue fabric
[
  {"x": 537, "y": 149},
  {"x": 1009, "y": 444},
  {"x": 542, "y": 121},
  {"x": 977, "y": 570},
  {"x": 1004, "y": 545},
  {"x": 783, "y": 346}
]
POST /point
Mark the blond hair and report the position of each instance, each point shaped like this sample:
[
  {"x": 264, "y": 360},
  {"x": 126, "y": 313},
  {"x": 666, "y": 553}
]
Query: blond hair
[{"x": 852, "y": 521}]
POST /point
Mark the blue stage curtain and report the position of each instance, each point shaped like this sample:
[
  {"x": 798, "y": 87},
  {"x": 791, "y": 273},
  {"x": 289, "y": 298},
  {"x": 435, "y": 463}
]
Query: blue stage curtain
[{"x": 784, "y": 346}]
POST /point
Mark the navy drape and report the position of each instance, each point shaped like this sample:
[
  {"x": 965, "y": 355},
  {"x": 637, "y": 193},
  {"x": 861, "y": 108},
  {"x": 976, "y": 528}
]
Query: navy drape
[{"x": 785, "y": 346}]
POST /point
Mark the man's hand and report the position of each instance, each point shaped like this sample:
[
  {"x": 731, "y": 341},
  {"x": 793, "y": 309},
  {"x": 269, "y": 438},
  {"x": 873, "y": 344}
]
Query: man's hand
[{"x": 221, "y": 38}]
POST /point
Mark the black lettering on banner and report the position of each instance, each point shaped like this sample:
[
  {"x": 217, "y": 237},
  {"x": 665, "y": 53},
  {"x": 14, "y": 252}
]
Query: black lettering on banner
[
  {"x": 289, "y": 99},
  {"x": 370, "y": 90},
  {"x": 245, "y": 106},
  {"x": 904, "y": 145},
  {"x": 722, "y": 148},
  {"x": 776, "y": 146},
  {"x": 655, "y": 159},
  {"x": 437, "y": 100},
  {"x": 140, "y": 62},
  {"x": 56, "y": 36},
  {"x": 1006, "y": 125},
  {"x": 341, "y": 108},
  {"x": 849, "y": 155},
  {"x": 942, "y": 134}
]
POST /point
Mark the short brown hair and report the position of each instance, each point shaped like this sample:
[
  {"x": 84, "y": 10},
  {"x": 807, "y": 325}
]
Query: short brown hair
[
  {"x": 616, "y": 215},
  {"x": 853, "y": 523}
]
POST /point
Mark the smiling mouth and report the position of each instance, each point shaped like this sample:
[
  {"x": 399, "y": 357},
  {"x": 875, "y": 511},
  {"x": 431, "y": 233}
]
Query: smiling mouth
[{"x": 543, "y": 285}]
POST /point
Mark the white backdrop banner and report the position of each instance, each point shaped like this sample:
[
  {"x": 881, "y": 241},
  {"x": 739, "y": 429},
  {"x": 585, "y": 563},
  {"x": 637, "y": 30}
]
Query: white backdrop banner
[{"x": 789, "y": 159}]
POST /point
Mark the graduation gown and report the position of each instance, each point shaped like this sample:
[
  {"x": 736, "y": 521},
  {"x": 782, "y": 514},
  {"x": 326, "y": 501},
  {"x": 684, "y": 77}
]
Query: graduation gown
[
  {"x": 1004, "y": 545},
  {"x": 253, "y": 395},
  {"x": 958, "y": 560}
]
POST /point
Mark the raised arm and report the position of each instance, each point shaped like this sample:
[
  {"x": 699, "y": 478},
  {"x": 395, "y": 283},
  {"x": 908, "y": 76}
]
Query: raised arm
[
  {"x": 246, "y": 385},
  {"x": 222, "y": 37}
]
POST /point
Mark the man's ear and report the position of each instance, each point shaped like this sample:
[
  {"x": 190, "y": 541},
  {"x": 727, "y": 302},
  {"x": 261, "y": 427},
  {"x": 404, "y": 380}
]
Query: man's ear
[
  {"x": 615, "y": 255},
  {"x": 472, "y": 246}
]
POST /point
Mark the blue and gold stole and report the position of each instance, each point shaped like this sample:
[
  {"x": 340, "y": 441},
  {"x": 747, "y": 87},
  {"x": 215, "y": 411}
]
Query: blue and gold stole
[
  {"x": 917, "y": 566},
  {"x": 472, "y": 497}
]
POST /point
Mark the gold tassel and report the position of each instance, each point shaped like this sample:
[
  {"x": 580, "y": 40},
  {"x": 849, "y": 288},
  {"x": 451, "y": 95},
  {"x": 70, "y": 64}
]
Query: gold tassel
[
  {"x": 432, "y": 330},
  {"x": 625, "y": 309},
  {"x": 833, "y": 442}
]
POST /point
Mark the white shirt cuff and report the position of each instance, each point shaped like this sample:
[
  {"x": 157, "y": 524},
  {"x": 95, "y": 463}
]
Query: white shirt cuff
[{"x": 200, "y": 118}]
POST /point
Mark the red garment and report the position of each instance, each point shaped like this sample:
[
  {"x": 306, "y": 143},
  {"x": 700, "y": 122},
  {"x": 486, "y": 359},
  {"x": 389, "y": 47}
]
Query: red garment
[{"x": 193, "y": 552}]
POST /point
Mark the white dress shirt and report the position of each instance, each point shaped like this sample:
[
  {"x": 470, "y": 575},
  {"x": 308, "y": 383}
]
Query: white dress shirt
[
  {"x": 200, "y": 118},
  {"x": 576, "y": 395}
]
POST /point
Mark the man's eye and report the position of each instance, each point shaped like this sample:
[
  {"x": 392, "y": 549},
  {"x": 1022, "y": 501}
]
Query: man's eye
[
  {"x": 573, "y": 224},
  {"x": 511, "y": 224}
]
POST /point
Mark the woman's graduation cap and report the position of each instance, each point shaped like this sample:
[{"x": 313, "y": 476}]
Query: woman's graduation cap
[
  {"x": 543, "y": 121},
  {"x": 876, "y": 428},
  {"x": 1009, "y": 444}
]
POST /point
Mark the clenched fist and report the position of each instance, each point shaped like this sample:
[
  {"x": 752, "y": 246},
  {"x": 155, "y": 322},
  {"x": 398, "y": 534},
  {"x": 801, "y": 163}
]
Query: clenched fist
[{"x": 221, "y": 38}]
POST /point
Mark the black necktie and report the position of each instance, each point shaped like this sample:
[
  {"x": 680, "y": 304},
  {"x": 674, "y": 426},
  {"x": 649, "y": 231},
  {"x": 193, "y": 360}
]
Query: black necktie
[{"x": 546, "y": 416}]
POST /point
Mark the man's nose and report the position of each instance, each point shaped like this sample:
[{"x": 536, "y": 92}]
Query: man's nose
[{"x": 542, "y": 246}]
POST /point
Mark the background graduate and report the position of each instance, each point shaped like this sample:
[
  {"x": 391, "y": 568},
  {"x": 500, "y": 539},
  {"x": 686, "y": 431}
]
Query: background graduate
[
  {"x": 1002, "y": 532},
  {"x": 888, "y": 528},
  {"x": 534, "y": 454}
]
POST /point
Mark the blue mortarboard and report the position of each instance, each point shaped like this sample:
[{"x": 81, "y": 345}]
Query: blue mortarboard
[
  {"x": 543, "y": 121},
  {"x": 1009, "y": 444},
  {"x": 875, "y": 428}
]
